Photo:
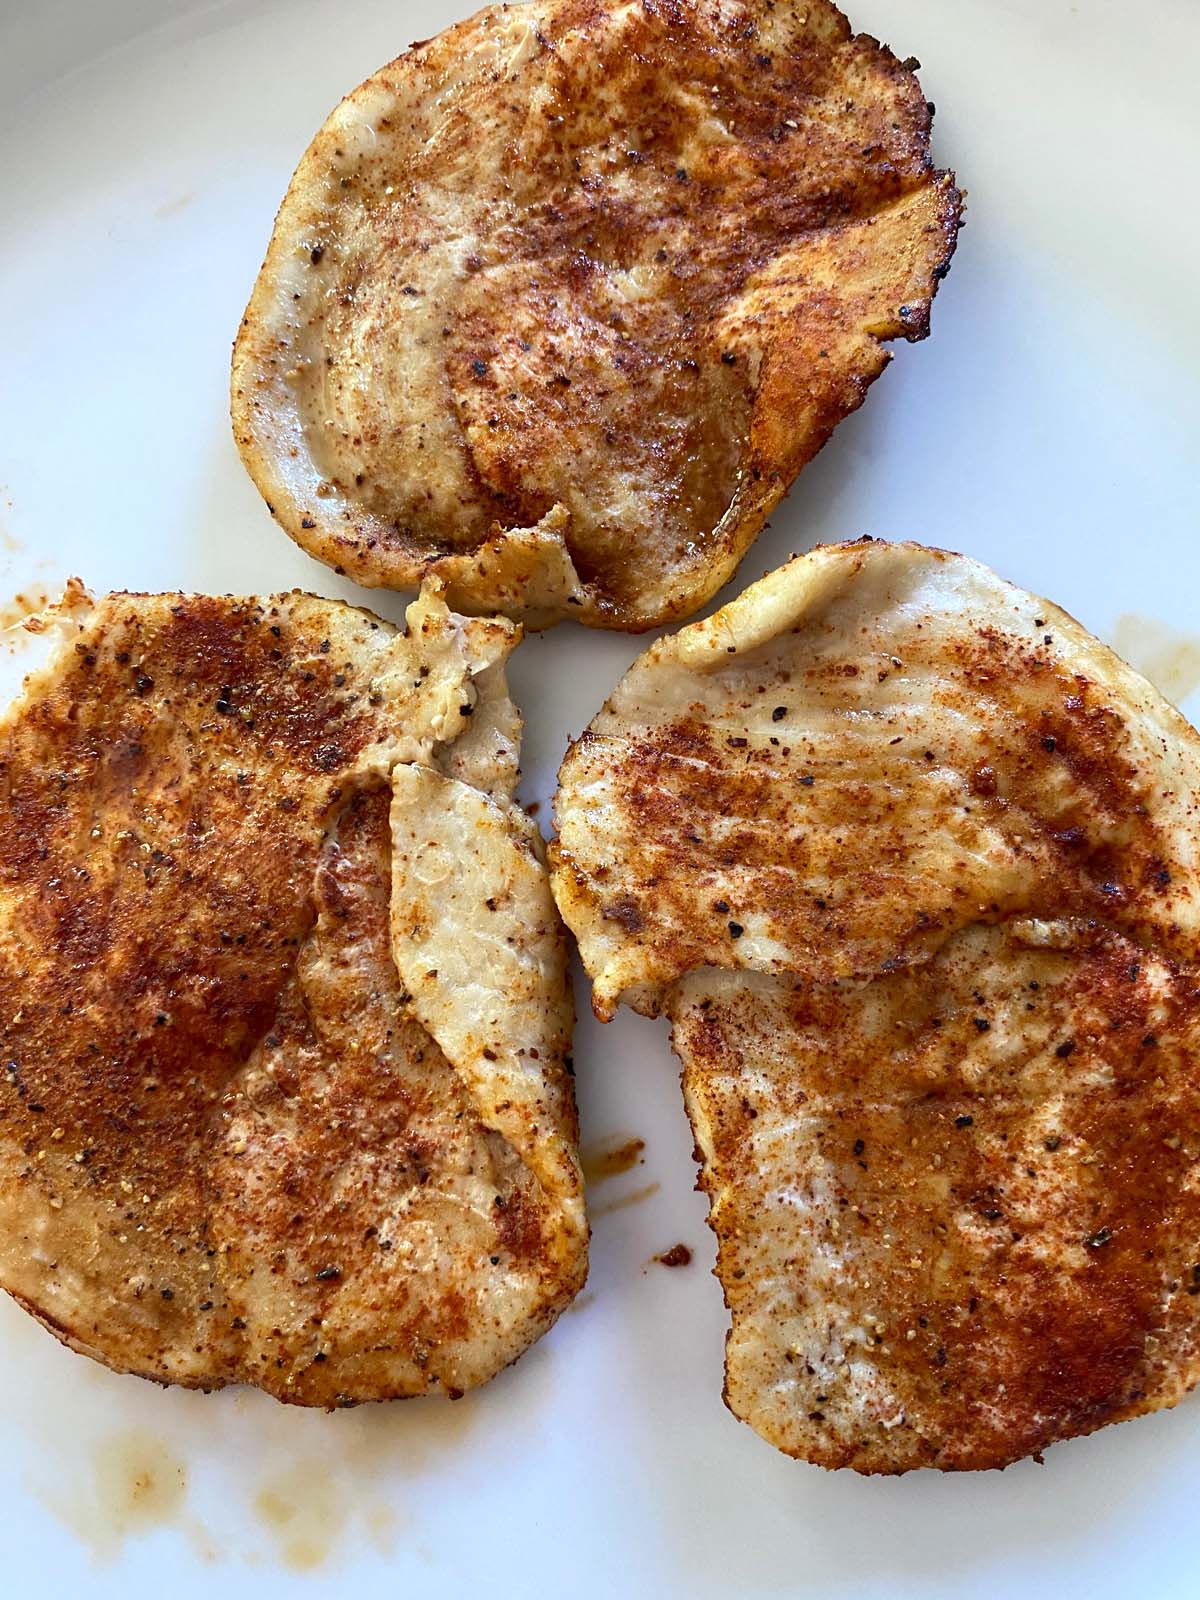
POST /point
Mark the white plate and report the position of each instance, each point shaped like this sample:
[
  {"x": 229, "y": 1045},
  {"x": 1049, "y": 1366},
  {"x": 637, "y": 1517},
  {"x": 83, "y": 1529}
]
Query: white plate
[{"x": 1049, "y": 426}]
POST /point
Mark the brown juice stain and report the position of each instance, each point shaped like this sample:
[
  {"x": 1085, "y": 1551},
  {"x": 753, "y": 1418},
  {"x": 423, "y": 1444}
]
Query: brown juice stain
[
  {"x": 304, "y": 1508},
  {"x": 381, "y": 1524},
  {"x": 204, "y": 1546},
  {"x": 633, "y": 1199},
  {"x": 402, "y": 1434},
  {"x": 1167, "y": 656},
  {"x": 170, "y": 208},
  {"x": 137, "y": 1484},
  {"x": 313, "y": 1505},
  {"x": 606, "y": 1160},
  {"x": 314, "y": 1508}
]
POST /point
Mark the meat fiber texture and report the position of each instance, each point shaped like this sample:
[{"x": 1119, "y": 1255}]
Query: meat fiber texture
[
  {"x": 559, "y": 302},
  {"x": 259, "y": 1123},
  {"x": 909, "y": 859}
]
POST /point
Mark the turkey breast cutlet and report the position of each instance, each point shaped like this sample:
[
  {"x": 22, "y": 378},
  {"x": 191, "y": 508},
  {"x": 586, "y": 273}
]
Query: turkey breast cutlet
[
  {"x": 284, "y": 1097},
  {"x": 559, "y": 302},
  {"x": 910, "y": 861}
]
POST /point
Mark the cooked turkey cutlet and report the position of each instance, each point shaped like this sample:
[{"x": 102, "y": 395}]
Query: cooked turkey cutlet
[
  {"x": 559, "y": 302},
  {"x": 253, "y": 1126},
  {"x": 909, "y": 859}
]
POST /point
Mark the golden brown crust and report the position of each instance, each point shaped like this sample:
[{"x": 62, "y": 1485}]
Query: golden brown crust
[
  {"x": 910, "y": 861},
  {"x": 957, "y": 1218},
  {"x": 221, "y": 1128},
  {"x": 559, "y": 302}
]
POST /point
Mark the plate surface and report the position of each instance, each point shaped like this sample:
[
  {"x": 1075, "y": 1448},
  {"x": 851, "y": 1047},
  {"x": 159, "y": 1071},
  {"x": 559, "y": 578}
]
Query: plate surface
[{"x": 1048, "y": 427}]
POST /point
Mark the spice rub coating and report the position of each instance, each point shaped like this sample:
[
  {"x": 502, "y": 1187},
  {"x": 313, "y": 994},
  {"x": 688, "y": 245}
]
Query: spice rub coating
[
  {"x": 559, "y": 302},
  {"x": 229, "y": 1149},
  {"x": 910, "y": 861}
]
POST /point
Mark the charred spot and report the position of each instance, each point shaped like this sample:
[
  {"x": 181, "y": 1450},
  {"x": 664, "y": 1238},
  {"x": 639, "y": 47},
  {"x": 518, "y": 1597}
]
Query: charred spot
[
  {"x": 625, "y": 911},
  {"x": 518, "y": 1224}
]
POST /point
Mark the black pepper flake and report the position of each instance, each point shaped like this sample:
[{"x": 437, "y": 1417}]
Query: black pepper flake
[
  {"x": 859, "y": 1146},
  {"x": 681, "y": 174},
  {"x": 1065, "y": 1049},
  {"x": 167, "y": 1294},
  {"x": 982, "y": 1024},
  {"x": 1049, "y": 743},
  {"x": 807, "y": 781},
  {"x": 728, "y": 357},
  {"x": 495, "y": 1260},
  {"x": 1162, "y": 877},
  {"x": 721, "y": 907},
  {"x": 479, "y": 368},
  {"x": 315, "y": 254},
  {"x": 327, "y": 1273},
  {"x": 1053, "y": 1142},
  {"x": 737, "y": 744},
  {"x": 307, "y": 522},
  {"x": 736, "y": 930},
  {"x": 1150, "y": 1042},
  {"x": 779, "y": 713},
  {"x": 1097, "y": 1240},
  {"x": 964, "y": 1122}
]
